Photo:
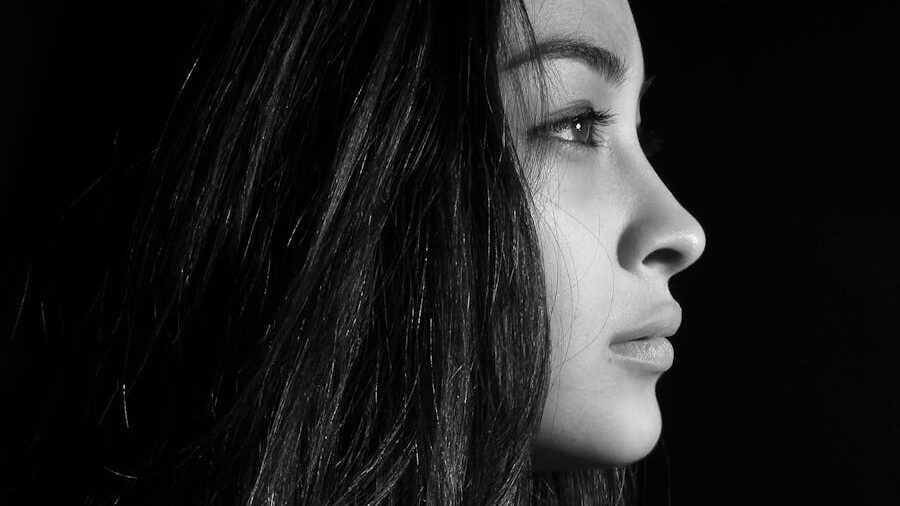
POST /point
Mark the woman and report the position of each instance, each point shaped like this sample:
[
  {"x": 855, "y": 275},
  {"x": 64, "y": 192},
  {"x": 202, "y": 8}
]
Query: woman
[
  {"x": 398, "y": 252},
  {"x": 611, "y": 235}
]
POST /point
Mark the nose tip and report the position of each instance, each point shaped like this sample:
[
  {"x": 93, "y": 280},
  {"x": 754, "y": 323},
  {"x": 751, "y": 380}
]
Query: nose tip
[
  {"x": 665, "y": 240},
  {"x": 677, "y": 252}
]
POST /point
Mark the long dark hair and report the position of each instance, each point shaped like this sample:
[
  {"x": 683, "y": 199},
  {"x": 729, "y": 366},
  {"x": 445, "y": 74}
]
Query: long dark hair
[{"x": 333, "y": 292}]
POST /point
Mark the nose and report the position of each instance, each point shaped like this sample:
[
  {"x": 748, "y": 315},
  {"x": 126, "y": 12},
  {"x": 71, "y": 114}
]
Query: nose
[{"x": 662, "y": 238}]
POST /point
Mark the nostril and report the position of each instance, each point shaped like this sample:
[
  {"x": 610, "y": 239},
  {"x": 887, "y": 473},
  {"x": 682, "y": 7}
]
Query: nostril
[
  {"x": 664, "y": 256},
  {"x": 663, "y": 239}
]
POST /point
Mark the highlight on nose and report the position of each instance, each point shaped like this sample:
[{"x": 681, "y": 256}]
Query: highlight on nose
[
  {"x": 665, "y": 240},
  {"x": 676, "y": 254}
]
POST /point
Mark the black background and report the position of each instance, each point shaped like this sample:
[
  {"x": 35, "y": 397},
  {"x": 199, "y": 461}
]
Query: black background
[{"x": 779, "y": 135}]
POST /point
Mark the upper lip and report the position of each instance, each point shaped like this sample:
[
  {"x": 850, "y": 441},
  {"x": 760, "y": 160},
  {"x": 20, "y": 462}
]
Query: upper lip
[{"x": 663, "y": 321}]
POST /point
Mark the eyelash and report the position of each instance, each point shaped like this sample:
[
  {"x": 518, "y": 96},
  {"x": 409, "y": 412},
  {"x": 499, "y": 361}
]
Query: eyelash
[
  {"x": 651, "y": 142},
  {"x": 590, "y": 118}
]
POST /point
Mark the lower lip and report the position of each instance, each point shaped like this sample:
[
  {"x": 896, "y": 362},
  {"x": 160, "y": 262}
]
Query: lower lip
[{"x": 654, "y": 354}]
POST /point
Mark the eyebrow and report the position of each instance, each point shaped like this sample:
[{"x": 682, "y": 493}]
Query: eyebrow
[
  {"x": 645, "y": 86},
  {"x": 600, "y": 60}
]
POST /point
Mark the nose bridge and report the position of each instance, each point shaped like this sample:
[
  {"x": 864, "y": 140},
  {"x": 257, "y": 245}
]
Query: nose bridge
[{"x": 662, "y": 237}]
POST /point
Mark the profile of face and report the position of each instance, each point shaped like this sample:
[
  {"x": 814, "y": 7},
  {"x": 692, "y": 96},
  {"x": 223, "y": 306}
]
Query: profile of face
[{"x": 611, "y": 235}]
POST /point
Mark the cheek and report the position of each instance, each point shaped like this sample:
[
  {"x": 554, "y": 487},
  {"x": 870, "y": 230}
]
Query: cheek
[
  {"x": 576, "y": 232},
  {"x": 580, "y": 286},
  {"x": 596, "y": 412}
]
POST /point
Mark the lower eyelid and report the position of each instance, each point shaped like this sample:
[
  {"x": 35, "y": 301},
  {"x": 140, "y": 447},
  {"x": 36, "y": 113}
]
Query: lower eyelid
[{"x": 580, "y": 150}]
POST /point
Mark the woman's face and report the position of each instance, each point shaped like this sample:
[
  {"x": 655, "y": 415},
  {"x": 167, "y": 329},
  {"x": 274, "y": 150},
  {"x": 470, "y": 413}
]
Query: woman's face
[{"x": 612, "y": 235}]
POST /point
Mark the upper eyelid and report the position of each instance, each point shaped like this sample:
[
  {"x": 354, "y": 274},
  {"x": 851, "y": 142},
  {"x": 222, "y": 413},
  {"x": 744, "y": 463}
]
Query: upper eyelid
[
  {"x": 565, "y": 113},
  {"x": 574, "y": 112}
]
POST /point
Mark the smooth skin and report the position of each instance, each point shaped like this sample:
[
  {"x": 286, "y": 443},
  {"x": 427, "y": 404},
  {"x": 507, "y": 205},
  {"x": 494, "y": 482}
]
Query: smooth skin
[{"x": 611, "y": 233}]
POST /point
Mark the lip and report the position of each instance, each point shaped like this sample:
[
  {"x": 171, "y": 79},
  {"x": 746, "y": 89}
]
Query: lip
[
  {"x": 645, "y": 345},
  {"x": 654, "y": 354}
]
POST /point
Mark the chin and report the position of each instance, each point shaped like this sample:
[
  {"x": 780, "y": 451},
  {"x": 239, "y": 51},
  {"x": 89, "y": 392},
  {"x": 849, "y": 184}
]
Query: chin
[
  {"x": 585, "y": 434},
  {"x": 635, "y": 434}
]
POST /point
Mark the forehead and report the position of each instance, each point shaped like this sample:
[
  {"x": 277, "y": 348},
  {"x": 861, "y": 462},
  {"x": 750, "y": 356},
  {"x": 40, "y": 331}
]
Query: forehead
[{"x": 606, "y": 23}]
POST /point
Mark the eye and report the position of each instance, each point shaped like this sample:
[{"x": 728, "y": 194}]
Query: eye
[{"x": 582, "y": 128}]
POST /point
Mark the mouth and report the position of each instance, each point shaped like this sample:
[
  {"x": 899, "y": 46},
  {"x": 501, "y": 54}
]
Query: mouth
[
  {"x": 652, "y": 354},
  {"x": 646, "y": 346}
]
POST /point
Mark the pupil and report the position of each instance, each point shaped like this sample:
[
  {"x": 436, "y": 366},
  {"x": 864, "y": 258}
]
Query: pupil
[{"x": 580, "y": 131}]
